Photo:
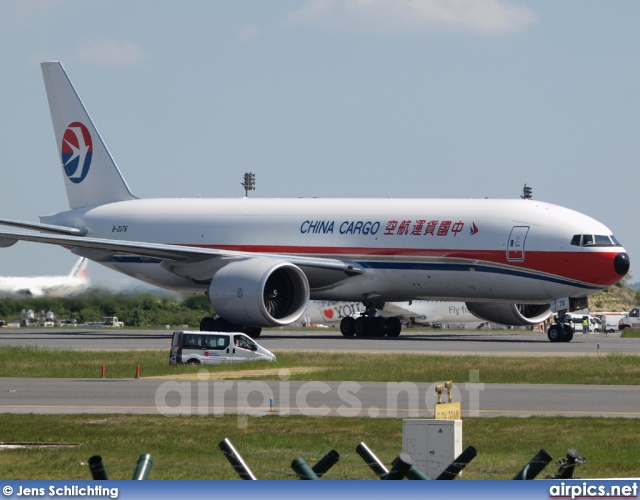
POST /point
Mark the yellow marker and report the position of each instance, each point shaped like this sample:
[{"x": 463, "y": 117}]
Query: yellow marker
[
  {"x": 449, "y": 385},
  {"x": 439, "y": 391}
]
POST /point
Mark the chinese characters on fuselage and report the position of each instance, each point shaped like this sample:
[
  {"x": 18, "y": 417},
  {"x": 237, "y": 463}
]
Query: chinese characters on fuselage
[{"x": 404, "y": 227}]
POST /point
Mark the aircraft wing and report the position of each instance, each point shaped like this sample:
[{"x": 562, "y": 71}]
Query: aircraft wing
[{"x": 101, "y": 249}]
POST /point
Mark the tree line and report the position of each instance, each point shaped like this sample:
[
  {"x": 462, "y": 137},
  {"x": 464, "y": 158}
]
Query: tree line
[{"x": 146, "y": 309}]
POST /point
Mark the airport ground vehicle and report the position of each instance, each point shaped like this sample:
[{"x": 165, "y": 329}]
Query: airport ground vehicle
[
  {"x": 210, "y": 348},
  {"x": 631, "y": 320},
  {"x": 610, "y": 321},
  {"x": 112, "y": 321},
  {"x": 575, "y": 320}
]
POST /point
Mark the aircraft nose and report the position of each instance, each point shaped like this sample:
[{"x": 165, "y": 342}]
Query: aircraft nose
[{"x": 621, "y": 263}]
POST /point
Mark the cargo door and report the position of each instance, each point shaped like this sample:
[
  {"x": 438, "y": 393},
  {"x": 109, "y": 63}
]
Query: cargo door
[{"x": 515, "y": 245}]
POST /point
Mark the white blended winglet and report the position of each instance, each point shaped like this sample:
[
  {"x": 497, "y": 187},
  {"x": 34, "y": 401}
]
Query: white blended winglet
[{"x": 90, "y": 174}]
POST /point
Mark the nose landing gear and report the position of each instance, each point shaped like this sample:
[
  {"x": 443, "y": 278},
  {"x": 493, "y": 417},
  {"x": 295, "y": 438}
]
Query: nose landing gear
[{"x": 560, "y": 331}]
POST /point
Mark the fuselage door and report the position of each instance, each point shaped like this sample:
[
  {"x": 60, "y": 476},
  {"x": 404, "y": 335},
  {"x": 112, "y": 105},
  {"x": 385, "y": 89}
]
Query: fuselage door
[{"x": 515, "y": 246}]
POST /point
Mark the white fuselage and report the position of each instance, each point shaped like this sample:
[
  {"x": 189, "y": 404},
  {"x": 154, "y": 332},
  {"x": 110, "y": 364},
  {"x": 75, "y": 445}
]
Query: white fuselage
[
  {"x": 422, "y": 312},
  {"x": 52, "y": 286},
  {"x": 409, "y": 248}
]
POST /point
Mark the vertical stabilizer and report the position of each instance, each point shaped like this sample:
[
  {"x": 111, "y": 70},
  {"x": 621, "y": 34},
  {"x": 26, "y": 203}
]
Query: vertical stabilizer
[
  {"x": 79, "y": 269},
  {"x": 90, "y": 174}
]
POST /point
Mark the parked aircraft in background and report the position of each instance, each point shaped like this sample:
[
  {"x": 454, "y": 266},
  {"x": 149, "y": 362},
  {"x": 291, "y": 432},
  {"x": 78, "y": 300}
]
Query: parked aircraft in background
[
  {"x": 53, "y": 286},
  {"x": 260, "y": 261},
  {"x": 419, "y": 312}
]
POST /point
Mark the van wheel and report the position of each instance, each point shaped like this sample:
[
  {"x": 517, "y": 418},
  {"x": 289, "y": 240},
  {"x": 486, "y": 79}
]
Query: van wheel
[{"x": 193, "y": 362}]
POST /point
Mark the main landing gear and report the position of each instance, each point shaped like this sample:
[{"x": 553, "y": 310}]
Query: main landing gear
[
  {"x": 218, "y": 324},
  {"x": 560, "y": 331},
  {"x": 370, "y": 325}
]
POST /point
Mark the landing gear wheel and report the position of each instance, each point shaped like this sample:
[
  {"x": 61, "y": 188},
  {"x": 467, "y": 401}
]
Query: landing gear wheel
[
  {"x": 206, "y": 324},
  {"x": 394, "y": 327},
  {"x": 221, "y": 325},
  {"x": 379, "y": 325},
  {"x": 555, "y": 333},
  {"x": 253, "y": 331},
  {"x": 362, "y": 327},
  {"x": 348, "y": 326},
  {"x": 568, "y": 333}
]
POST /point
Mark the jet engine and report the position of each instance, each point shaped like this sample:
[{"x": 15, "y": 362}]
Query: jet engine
[
  {"x": 510, "y": 314},
  {"x": 259, "y": 291}
]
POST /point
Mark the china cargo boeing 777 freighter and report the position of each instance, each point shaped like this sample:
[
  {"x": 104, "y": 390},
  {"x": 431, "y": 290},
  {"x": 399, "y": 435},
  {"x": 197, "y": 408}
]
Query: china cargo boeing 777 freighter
[{"x": 261, "y": 260}]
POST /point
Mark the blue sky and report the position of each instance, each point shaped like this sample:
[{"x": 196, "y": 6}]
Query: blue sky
[{"x": 329, "y": 98}]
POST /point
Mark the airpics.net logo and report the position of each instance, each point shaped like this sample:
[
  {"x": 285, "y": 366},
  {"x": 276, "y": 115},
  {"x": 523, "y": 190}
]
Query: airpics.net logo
[
  {"x": 284, "y": 397},
  {"x": 76, "y": 152}
]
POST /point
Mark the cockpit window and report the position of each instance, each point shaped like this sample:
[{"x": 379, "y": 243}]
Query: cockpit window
[{"x": 591, "y": 240}]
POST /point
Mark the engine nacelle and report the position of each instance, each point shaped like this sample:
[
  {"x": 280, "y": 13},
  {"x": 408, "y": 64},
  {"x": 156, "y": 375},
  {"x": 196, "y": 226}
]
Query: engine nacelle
[
  {"x": 510, "y": 314},
  {"x": 259, "y": 292}
]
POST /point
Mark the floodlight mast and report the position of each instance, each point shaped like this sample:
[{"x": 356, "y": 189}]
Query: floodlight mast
[
  {"x": 249, "y": 183},
  {"x": 527, "y": 193}
]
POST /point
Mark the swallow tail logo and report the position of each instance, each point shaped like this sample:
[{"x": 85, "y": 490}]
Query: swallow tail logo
[
  {"x": 77, "y": 150},
  {"x": 473, "y": 229}
]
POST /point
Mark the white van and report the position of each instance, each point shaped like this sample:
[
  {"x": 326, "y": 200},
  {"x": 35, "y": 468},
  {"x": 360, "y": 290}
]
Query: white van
[
  {"x": 610, "y": 321},
  {"x": 595, "y": 325},
  {"x": 210, "y": 348}
]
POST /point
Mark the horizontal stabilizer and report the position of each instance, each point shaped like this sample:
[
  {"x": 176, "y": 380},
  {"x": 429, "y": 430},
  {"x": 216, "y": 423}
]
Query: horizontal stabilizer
[{"x": 46, "y": 228}]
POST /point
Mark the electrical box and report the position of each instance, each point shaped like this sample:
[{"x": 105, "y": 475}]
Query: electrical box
[{"x": 433, "y": 444}]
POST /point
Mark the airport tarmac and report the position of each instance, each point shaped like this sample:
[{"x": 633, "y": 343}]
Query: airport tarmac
[
  {"x": 444, "y": 342},
  {"x": 204, "y": 396},
  {"x": 347, "y": 399}
]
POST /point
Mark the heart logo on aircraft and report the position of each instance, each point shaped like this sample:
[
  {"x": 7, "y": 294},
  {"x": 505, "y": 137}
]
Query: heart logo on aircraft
[
  {"x": 76, "y": 152},
  {"x": 328, "y": 313}
]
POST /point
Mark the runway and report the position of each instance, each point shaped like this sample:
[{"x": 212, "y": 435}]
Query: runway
[
  {"x": 347, "y": 398},
  {"x": 444, "y": 342}
]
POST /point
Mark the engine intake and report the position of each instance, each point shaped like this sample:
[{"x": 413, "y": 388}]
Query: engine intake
[
  {"x": 259, "y": 292},
  {"x": 510, "y": 314}
]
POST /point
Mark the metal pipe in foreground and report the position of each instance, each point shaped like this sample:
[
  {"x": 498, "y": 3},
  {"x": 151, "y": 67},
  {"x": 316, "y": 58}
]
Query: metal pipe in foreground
[
  {"x": 535, "y": 466},
  {"x": 143, "y": 467},
  {"x": 236, "y": 460},
  {"x": 371, "y": 460},
  {"x": 96, "y": 466},
  {"x": 459, "y": 463},
  {"x": 326, "y": 462},
  {"x": 303, "y": 469},
  {"x": 401, "y": 465}
]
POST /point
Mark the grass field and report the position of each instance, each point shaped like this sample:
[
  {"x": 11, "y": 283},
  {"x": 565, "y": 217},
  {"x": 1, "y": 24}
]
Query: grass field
[
  {"x": 362, "y": 367},
  {"x": 187, "y": 447}
]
